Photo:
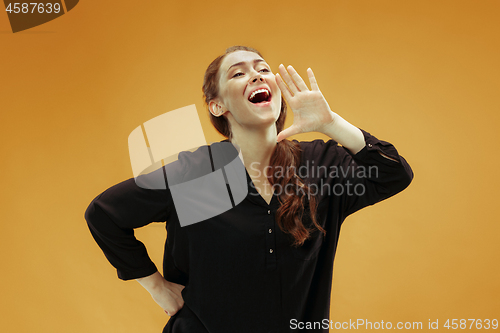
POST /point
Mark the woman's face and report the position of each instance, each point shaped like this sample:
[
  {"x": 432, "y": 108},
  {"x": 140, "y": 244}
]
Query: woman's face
[{"x": 248, "y": 92}]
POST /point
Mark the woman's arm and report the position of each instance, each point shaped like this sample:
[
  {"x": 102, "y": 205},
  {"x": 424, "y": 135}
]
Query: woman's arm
[
  {"x": 374, "y": 173},
  {"x": 367, "y": 164},
  {"x": 348, "y": 135},
  {"x": 112, "y": 217}
]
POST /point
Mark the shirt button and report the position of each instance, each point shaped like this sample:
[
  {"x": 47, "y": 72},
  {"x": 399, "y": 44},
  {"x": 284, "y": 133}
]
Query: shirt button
[
  {"x": 268, "y": 212},
  {"x": 270, "y": 230},
  {"x": 270, "y": 250},
  {"x": 370, "y": 145}
]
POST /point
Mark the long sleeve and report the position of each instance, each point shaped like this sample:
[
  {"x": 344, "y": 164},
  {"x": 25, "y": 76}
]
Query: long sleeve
[
  {"x": 354, "y": 181},
  {"x": 378, "y": 176},
  {"x": 112, "y": 216}
]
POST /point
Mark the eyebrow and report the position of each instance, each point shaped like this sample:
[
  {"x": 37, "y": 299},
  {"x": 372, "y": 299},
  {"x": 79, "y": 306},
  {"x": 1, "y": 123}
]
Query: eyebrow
[{"x": 242, "y": 63}]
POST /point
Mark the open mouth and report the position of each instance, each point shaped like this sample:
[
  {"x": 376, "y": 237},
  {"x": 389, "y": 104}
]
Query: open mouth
[{"x": 260, "y": 96}]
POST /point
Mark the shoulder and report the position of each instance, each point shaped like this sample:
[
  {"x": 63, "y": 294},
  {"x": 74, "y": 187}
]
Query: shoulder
[{"x": 200, "y": 162}]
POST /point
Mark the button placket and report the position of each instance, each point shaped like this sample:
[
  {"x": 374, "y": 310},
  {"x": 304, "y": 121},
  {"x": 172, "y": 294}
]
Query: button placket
[{"x": 270, "y": 241}]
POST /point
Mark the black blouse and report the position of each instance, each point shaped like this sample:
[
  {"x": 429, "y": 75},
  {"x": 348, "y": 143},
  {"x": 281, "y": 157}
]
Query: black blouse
[{"x": 240, "y": 272}]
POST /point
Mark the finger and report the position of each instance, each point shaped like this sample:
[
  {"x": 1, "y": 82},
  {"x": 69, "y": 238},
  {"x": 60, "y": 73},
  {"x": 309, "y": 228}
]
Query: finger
[
  {"x": 284, "y": 89},
  {"x": 288, "y": 79},
  {"x": 312, "y": 79},
  {"x": 298, "y": 80},
  {"x": 292, "y": 130}
]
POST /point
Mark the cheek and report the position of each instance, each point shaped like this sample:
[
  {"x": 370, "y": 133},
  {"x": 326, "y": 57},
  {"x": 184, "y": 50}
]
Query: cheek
[{"x": 234, "y": 96}]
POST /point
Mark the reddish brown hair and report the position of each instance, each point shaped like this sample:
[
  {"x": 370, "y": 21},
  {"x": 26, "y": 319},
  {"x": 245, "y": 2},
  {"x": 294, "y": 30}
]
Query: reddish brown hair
[{"x": 286, "y": 156}]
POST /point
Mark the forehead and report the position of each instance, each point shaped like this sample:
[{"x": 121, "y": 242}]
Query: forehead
[{"x": 238, "y": 56}]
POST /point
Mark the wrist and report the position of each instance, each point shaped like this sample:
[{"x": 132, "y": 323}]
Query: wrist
[
  {"x": 329, "y": 123},
  {"x": 343, "y": 132}
]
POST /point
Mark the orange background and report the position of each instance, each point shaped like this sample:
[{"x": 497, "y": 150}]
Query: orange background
[{"x": 423, "y": 75}]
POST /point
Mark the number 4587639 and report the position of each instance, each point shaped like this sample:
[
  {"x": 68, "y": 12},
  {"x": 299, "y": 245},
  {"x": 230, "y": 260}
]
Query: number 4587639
[
  {"x": 38, "y": 6},
  {"x": 476, "y": 323}
]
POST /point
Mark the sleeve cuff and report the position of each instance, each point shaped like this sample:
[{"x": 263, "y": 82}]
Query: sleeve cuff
[
  {"x": 375, "y": 145},
  {"x": 130, "y": 275}
]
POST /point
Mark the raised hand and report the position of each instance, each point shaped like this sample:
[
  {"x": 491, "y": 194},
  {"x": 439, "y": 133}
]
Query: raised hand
[{"x": 311, "y": 112}]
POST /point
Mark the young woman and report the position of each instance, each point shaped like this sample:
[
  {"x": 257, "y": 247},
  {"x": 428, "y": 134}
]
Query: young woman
[{"x": 265, "y": 265}]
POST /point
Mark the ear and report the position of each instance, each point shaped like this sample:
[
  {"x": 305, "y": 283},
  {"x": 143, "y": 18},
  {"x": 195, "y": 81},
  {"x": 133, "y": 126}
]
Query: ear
[{"x": 216, "y": 108}]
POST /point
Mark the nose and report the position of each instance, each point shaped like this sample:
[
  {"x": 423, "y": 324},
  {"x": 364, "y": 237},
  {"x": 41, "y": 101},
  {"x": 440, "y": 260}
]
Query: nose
[{"x": 258, "y": 77}]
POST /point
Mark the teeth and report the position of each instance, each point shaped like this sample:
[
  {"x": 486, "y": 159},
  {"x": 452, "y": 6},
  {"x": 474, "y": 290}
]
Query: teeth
[{"x": 258, "y": 91}]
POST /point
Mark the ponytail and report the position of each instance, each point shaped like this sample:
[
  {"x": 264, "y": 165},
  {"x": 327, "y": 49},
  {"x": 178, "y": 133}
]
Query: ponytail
[{"x": 293, "y": 202}]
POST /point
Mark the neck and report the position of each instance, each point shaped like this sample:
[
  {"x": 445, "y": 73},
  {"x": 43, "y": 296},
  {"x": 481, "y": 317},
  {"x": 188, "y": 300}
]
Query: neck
[{"x": 257, "y": 146}]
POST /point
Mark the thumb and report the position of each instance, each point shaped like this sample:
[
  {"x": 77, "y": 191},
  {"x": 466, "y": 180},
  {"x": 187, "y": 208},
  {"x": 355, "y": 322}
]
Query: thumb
[{"x": 292, "y": 130}]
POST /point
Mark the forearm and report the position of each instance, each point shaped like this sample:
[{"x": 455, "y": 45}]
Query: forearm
[
  {"x": 343, "y": 132},
  {"x": 152, "y": 282},
  {"x": 347, "y": 135}
]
